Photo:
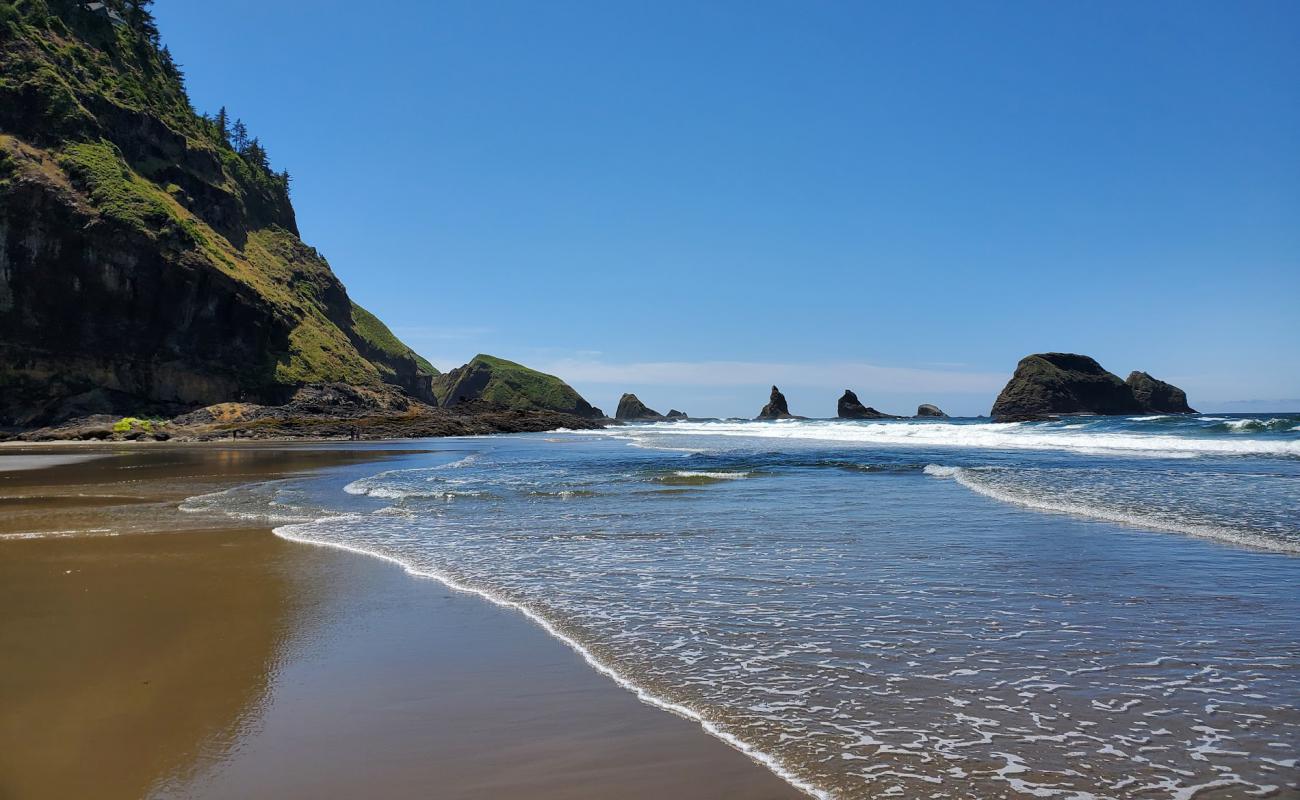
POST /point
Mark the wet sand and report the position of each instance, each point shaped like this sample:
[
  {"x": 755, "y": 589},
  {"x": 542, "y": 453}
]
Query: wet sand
[{"x": 200, "y": 660}]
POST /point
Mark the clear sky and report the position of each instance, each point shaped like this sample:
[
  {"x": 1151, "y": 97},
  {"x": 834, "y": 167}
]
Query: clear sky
[{"x": 695, "y": 200}]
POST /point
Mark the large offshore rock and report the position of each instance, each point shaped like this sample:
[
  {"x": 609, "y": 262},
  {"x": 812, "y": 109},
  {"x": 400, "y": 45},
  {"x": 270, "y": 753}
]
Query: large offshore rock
[{"x": 1047, "y": 384}]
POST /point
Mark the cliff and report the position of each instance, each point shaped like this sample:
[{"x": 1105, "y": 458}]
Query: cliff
[{"x": 150, "y": 259}]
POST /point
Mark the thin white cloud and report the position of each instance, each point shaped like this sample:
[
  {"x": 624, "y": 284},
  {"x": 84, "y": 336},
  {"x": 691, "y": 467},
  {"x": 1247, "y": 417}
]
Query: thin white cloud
[{"x": 865, "y": 377}]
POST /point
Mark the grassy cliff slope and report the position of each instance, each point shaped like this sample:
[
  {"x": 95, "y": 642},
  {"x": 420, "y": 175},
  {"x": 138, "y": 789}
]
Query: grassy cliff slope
[
  {"x": 149, "y": 256},
  {"x": 510, "y": 385}
]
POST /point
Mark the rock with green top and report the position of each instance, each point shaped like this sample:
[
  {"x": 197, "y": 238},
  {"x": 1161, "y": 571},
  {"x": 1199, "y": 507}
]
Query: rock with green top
[{"x": 505, "y": 384}]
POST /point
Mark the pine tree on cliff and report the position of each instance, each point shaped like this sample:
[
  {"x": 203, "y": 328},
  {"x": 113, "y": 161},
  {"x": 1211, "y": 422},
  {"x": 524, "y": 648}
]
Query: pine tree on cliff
[
  {"x": 139, "y": 17},
  {"x": 256, "y": 154},
  {"x": 239, "y": 138},
  {"x": 223, "y": 125}
]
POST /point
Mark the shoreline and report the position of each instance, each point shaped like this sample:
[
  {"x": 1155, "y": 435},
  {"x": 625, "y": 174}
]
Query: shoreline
[
  {"x": 642, "y": 694},
  {"x": 173, "y": 597}
]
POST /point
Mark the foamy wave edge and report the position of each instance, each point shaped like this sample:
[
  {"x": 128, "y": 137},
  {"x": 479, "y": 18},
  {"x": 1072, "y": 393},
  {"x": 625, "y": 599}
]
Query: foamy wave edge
[
  {"x": 962, "y": 475},
  {"x": 994, "y": 436},
  {"x": 644, "y": 695}
]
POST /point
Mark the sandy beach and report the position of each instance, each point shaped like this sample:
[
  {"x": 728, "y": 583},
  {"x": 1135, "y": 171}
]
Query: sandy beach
[{"x": 150, "y": 653}]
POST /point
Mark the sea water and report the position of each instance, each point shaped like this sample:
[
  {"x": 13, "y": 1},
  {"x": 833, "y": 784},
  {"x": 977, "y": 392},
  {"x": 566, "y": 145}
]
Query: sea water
[{"x": 1090, "y": 607}]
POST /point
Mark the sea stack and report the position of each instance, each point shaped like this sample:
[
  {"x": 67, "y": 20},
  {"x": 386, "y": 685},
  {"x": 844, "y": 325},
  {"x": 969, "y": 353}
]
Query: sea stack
[
  {"x": 1158, "y": 396},
  {"x": 631, "y": 409},
  {"x": 1053, "y": 384},
  {"x": 675, "y": 414},
  {"x": 776, "y": 407},
  {"x": 927, "y": 410},
  {"x": 850, "y": 407}
]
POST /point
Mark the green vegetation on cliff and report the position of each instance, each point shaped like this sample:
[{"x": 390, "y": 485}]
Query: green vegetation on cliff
[
  {"x": 509, "y": 385},
  {"x": 149, "y": 255}
]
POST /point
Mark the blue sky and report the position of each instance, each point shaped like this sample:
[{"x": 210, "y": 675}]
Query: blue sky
[{"x": 693, "y": 201}]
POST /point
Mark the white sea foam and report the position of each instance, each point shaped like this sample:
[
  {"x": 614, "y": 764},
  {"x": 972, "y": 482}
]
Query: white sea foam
[
  {"x": 721, "y": 476},
  {"x": 1005, "y": 436},
  {"x": 301, "y": 533},
  {"x": 970, "y": 478}
]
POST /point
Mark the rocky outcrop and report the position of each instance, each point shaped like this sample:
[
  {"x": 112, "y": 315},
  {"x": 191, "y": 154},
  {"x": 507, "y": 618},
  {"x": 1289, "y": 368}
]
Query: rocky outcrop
[
  {"x": 505, "y": 384},
  {"x": 776, "y": 407},
  {"x": 675, "y": 414},
  {"x": 927, "y": 410},
  {"x": 147, "y": 266},
  {"x": 849, "y": 407},
  {"x": 1157, "y": 396},
  {"x": 1053, "y": 384},
  {"x": 331, "y": 411},
  {"x": 631, "y": 409}
]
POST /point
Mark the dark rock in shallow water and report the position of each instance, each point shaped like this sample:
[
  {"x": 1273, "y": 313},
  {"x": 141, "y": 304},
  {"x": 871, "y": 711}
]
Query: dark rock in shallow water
[
  {"x": 1158, "y": 396},
  {"x": 675, "y": 414},
  {"x": 776, "y": 407},
  {"x": 1047, "y": 384},
  {"x": 927, "y": 410},
  {"x": 851, "y": 408},
  {"x": 631, "y": 408}
]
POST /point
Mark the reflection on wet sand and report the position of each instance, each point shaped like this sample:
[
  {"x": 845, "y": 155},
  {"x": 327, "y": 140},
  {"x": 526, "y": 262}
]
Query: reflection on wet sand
[{"x": 129, "y": 658}]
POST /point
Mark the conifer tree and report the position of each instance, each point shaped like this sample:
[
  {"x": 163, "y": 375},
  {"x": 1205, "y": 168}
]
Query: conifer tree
[
  {"x": 223, "y": 125},
  {"x": 239, "y": 139},
  {"x": 256, "y": 154},
  {"x": 139, "y": 17}
]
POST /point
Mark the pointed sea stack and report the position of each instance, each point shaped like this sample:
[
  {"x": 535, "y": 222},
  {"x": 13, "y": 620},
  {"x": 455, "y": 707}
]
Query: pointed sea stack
[
  {"x": 927, "y": 410},
  {"x": 851, "y": 408},
  {"x": 776, "y": 407},
  {"x": 631, "y": 409},
  {"x": 1049, "y": 384},
  {"x": 1158, "y": 396},
  {"x": 675, "y": 414}
]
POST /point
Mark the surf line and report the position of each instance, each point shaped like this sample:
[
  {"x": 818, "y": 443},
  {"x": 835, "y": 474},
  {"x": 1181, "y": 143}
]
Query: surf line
[{"x": 644, "y": 695}]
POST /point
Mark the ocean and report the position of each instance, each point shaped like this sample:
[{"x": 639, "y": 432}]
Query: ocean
[{"x": 1094, "y": 607}]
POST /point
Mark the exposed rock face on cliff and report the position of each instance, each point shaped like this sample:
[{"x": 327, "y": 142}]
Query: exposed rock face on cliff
[
  {"x": 927, "y": 410},
  {"x": 1158, "y": 396},
  {"x": 1049, "y": 384},
  {"x": 776, "y": 407},
  {"x": 850, "y": 407},
  {"x": 147, "y": 262},
  {"x": 632, "y": 409},
  {"x": 508, "y": 385},
  {"x": 675, "y": 414}
]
